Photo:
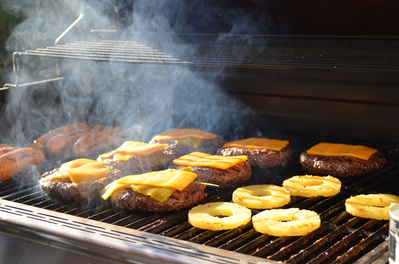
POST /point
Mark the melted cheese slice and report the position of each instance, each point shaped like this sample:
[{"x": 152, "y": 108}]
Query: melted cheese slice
[
  {"x": 158, "y": 183},
  {"x": 329, "y": 149},
  {"x": 183, "y": 133},
  {"x": 258, "y": 143},
  {"x": 131, "y": 148},
  {"x": 204, "y": 159},
  {"x": 81, "y": 171}
]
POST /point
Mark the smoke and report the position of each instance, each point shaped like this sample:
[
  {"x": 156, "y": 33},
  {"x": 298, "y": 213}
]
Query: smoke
[{"x": 143, "y": 98}]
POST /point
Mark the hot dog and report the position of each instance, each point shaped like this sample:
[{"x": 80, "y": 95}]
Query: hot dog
[
  {"x": 19, "y": 160},
  {"x": 40, "y": 143},
  {"x": 103, "y": 139},
  {"x": 61, "y": 143}
]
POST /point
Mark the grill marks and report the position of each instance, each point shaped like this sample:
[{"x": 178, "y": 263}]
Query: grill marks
[{"x": 342, "y": 238}]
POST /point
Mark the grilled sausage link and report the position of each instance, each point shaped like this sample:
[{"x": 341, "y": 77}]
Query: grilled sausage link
[
  {"x": 96, "y": 141},
  {"x": 58, "y": 144},
  {"x": 6, "y": 150},
  {"x": 40, "y": 143},
  {"x": 19, "y": 160}
]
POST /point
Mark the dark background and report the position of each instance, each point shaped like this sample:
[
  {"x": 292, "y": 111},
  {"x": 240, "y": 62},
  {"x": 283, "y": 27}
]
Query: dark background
[{"x": 291, "y": 17}]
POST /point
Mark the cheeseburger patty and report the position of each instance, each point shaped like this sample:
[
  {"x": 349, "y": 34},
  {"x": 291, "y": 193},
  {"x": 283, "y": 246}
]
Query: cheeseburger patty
[
  {"x": 262, "y": 158},
  {"x": 341, "y": 166},
  {"x": 174, "y": 151},
  {"x": 67, "y": 190},
  {"x": 126, "y": 198},
  {"x": 230, "y": 177}
]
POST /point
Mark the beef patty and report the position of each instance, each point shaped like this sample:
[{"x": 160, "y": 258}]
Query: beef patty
[
  {"x": 174, "y": 151},
  {"x": 230, "y": 177},
  {"x": 65, "y": 189},
  {"x": 260, "y": 158},
  {"x": 126, "y": 198},
  {"x": 341, "y": 166}
]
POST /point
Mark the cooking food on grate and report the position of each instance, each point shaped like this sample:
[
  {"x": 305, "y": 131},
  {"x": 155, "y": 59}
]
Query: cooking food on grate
[
  {"x": 41, "y": 142},
  {"x": 64, "y": 142},
  {"x": 286, "y": 222},
  {"x": 102, "y": 140},
  {"x": 134, "y": 157},
  {"x": 184, "y": 141},
  {"x": 223, "y": 171},
  {"x": 78, "y": 180},
  {"x": 219, "y": 216},
  {"x": 373, "y": 206},
  {"x": 158, "y": 191},
  {"x": 312, "y": 186},
  {"x": 19, "y": 160},
  {"x": 341, "y": 160},
  {"x": 4, "y": 148},
  {"x": 261, "y": 152},
  {"x": 261, "y": 196}
]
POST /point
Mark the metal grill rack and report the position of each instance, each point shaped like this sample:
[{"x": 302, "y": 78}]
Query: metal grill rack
[{"x": 224, "y": 56}]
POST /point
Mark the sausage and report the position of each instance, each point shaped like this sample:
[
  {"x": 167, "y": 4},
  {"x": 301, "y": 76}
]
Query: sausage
[
  {"x": 96, "y": 141},
  {"x": 63, "y": 142},
  {"x": 19, "y": 160},
  {"x": 40, "y": 143},
  {"x": 5, "y": 150}
]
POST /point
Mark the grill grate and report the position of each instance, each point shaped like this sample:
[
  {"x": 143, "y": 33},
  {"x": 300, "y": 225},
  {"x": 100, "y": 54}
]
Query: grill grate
[
  {"x": 224, "y": 56},
  {"x": 342, "y": 238}
]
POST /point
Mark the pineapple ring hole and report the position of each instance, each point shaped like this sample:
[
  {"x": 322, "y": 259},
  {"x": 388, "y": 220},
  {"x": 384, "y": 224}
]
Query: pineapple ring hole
[
  {"x": 220, "y": 212},
  {"x": 311, "y": 182},
  {"x": 260, "y": 193}
]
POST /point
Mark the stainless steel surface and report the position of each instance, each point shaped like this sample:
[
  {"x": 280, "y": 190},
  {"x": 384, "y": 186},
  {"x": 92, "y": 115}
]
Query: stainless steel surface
[
  {"x": 20, "y": 250},
  {"x": 107, "y": 241}
]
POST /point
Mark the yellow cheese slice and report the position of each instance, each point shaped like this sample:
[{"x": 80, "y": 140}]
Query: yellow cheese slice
[
  {"x": 258, "y": 143},
  {"x": 81, "y": 171},
  {"x": 330, "y": 149},
  {"x": 134, "y": 148},
  {"x": 157, "y": 184},
  {"x": 204, "y": 159},
  {"x": 76, "y": 163},
  {"x": 183, "y": 133},
  {"x": 177, "y": 179}
]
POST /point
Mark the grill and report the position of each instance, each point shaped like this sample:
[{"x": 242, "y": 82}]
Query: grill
[
  {"x": 134, "y": 236},
  {"x": 127, "y": 236},
  {"x": 302, "y": 86}
]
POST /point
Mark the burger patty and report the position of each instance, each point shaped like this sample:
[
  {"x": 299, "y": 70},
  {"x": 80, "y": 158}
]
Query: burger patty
[
  {"x": 230, "y": 177},
  {"x": 126, "y": 198},
  {"x": 133, "y": 166},
  {"x": 174, "y": 151},
  {"x": 65, "y": 189},
  {"x": 262, "y": 158},
  {"x": 341, "y": 166}
]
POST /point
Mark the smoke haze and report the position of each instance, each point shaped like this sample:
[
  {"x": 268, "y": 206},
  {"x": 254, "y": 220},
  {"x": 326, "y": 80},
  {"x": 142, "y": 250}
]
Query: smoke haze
[{"x": 145, "y": 99}]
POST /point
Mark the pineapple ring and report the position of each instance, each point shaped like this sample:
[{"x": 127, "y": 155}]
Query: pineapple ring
[
  {"x": 286, "y": 222},
  {"x": 205, "y": 216},
  {"x": 312, "y": 186},
  {"x": 261, "y": 196},
  {"x": 373, "y": 206}
]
